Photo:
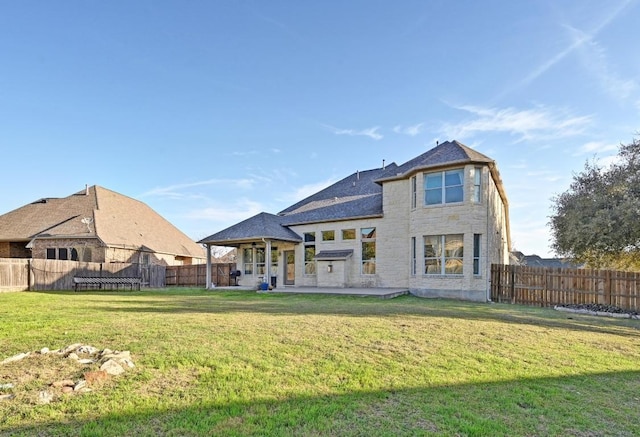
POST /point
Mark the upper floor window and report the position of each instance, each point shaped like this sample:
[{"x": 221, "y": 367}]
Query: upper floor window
[
  {"x": 477, "y": 184},
  {"x": 328, "y": 235},
  {"x": 348, "y": 234},
  {"x": 443, "y": 187},
  {"x": 414, "y": 192}
]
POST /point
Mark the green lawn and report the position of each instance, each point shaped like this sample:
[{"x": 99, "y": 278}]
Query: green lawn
[{"x": 243, "y": 363}]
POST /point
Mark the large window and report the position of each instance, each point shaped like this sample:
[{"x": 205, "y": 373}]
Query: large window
[
  {"x": 368, "y": 238},
  {"x": 309, "y": 253},
  {"x": 443, "y": 187},
  {"x": 443, "y": 254},
  {"x": 247, "y": 259}
]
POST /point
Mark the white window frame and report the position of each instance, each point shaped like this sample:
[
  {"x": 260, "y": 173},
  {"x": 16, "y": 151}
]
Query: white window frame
[
  {"x": 443, "y": 187},
  {"x": 414, "y": 192},
  {"x": 448, "y": 260},
  {"x": 477, "y": 245},
  {"x": 366, "y": 264},
  {"x": 477, "y": 184},
  {"x": 309, "y": 264}
]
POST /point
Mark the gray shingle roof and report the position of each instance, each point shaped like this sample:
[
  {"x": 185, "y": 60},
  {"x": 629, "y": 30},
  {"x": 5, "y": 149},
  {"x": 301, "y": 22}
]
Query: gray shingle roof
[
  {"x": 447, "y": 153},
  {"x": 263, "y": 225},
  {"x": 358, "y": 195},
  {"x": 329, "y": 255}
]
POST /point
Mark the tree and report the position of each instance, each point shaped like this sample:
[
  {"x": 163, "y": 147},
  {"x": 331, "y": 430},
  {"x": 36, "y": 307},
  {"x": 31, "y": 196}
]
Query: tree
[{"x": 597, "y": 221}]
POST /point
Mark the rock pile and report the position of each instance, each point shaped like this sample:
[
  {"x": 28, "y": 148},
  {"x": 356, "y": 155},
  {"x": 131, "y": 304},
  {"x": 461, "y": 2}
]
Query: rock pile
[{"x": 90, "y": 368}]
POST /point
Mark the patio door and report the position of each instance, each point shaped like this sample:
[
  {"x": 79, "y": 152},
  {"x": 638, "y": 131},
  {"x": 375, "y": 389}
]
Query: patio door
[{"x": 289, "y": 267}]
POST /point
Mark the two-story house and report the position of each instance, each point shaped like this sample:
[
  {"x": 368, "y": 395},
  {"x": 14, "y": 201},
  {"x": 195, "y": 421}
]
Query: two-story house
[{"x": 433, "y": 225}]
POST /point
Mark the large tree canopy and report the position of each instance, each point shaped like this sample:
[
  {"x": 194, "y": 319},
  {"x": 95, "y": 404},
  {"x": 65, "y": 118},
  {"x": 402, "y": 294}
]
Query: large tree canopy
[{"x": 597, "y": 220}]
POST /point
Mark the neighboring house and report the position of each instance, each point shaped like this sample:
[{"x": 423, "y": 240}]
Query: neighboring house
[
  {"x": 432, "y": 225},
  {"x": 96, "y": 225},
  {"x": 537, "y": 261}
]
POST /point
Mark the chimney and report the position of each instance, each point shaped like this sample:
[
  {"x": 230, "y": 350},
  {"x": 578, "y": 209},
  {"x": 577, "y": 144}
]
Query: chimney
[
  {"x": 86, "y": 189},
  {"x": 383, "y": 167}
]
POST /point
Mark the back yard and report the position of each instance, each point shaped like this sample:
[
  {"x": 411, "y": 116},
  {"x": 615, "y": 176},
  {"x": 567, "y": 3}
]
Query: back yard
[{"x": 242, "y": 363}]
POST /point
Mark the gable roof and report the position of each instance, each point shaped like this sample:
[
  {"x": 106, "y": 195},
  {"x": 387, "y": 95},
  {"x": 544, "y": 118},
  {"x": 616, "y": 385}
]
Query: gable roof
[
  {"x": 97, "y": 212},
  {"x": 263, "y": 225}
]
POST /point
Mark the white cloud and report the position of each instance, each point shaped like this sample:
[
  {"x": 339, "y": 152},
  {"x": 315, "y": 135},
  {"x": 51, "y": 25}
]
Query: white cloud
[
  {"x": 595, "y": 60},
  {"x": 228, "y": 213},
  {"x": 371, "y": 132},
  {"x": 306, "y": 191},
  {"x": 409, "y": 130},
  {"x": 595, "y": 147},
  {"x": 177, "y": 190},
  {"x": 244, "y": 153},
  {"x": 530, "y": 124},
  {"x": 578, "y": 40}
]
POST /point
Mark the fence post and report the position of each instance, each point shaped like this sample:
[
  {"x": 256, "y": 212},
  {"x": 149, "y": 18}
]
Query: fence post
[
  {"x": 29, "y": 274},
  {"x": 607, "y": 287},
  {"x": 512, "y": 280}
]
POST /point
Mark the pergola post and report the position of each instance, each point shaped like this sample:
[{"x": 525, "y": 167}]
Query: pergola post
[{"x": 208, "y": 284}]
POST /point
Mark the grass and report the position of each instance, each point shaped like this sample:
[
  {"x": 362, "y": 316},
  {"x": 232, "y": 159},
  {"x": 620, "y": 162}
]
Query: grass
[{"x": 242, "y": 363}]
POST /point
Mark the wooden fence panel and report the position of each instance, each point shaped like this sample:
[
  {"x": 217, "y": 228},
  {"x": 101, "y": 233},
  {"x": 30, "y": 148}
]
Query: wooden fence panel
[
  {"x": 542, "y": 286},
  {"x": 196, "y": 275},
  {"x": 14, "y": 274},
  {"x": 49, "y": 274}
]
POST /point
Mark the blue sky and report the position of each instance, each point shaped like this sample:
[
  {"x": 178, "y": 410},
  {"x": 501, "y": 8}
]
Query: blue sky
[{"x": 213, "y": 111}]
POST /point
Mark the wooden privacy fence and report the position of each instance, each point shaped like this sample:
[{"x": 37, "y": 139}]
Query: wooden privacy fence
[
  {"x": 49, "y": 274},
  {"x": 196, "y": 275},
  {"x": 541, "y": 286},
  {"x": 14, "y": 274}
]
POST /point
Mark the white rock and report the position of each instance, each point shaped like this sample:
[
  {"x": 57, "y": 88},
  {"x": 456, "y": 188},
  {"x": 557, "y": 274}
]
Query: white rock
[
  {"x": 44, "y": 350},
  {"x": 17, "y": 357},
  {"x": 45, "y": 397},
  {"x": 6, "y": 386},
  {"x": 71, "y": 348},
  {"x": 86, "y": 350},
  {"x": 86, "y": 361},
  {"x": 127, "y": 363},
  {"x": 124, "y": 355},
  {"x": 72, "y": 356},
  {"x": 112, "y": 368},
  {"x": 80, "y": 385}
]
